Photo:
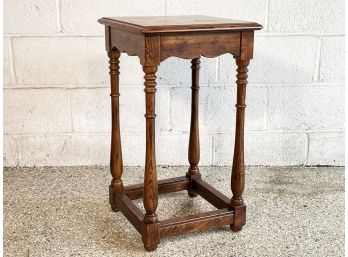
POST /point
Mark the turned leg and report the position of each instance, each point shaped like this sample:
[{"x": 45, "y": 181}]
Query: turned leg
[
  {"x": 238, "y": 176},
  {"x": 116, "y": 166},
  {"x": 150, "y": 234},
  {"x": 193, "y": 150}
]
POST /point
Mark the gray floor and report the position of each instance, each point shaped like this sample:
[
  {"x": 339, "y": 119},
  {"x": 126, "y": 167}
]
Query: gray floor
[{"x": 64, "y": 212}]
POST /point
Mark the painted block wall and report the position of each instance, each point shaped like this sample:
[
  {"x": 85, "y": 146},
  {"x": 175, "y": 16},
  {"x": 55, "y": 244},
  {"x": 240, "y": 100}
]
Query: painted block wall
[{"x": 56, "y": 85}]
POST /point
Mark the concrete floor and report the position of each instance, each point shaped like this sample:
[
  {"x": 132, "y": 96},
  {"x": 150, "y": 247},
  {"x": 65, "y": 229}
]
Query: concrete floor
[{"x": 64, "y": 211}]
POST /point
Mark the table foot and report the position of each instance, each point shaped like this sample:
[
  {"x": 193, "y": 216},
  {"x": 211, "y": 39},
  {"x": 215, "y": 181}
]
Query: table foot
[
  {"x": 150, "y": 236},
  {"x": 235, "y": 229},
  {"x": 112, "y": 200},
  {"x": 192, "y": 194}
]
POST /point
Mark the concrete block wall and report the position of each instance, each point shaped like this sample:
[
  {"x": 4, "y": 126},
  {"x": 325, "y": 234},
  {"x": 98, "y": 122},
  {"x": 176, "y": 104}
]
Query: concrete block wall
[{"x": 56, "y": 85}]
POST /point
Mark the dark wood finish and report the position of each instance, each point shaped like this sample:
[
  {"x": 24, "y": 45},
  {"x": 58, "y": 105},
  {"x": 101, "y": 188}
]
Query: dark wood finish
[
  {"x": 238, "y": 170},
  {"x": 151, "y": 54},
  {"x": 150, "y": 235},
  {"x": 246, "y": 46},
  {"x": 194, "y": 148},
  {"x": 126, "y": 42},
  {"x": 196, "y": 222},
  {"x": 153, "y": 39},
  {"x": 168, "y": 24},
  {"x": 164, "y": 186},
  {"x": 116, "y": 166},
  {"x": 191, "y": 45},
  {"x": 239, "y": 218}
]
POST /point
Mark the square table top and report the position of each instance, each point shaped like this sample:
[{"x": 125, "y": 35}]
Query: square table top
[{"x": 162, "y": 24}]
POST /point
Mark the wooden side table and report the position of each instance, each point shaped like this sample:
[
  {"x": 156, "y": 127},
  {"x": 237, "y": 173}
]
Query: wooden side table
[{"x": 154, "y": 39}]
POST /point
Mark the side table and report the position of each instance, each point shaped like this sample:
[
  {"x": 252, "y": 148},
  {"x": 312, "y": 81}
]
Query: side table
[{"x": 154, "y": 39}]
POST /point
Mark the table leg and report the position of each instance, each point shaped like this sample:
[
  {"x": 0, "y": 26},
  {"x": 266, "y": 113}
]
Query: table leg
[
  {"x": 150, "y": 234},
  {"x": 194, "y": 149},
  {"x": 116, "y": 166},
  {"x": 238, "y": 176}
]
